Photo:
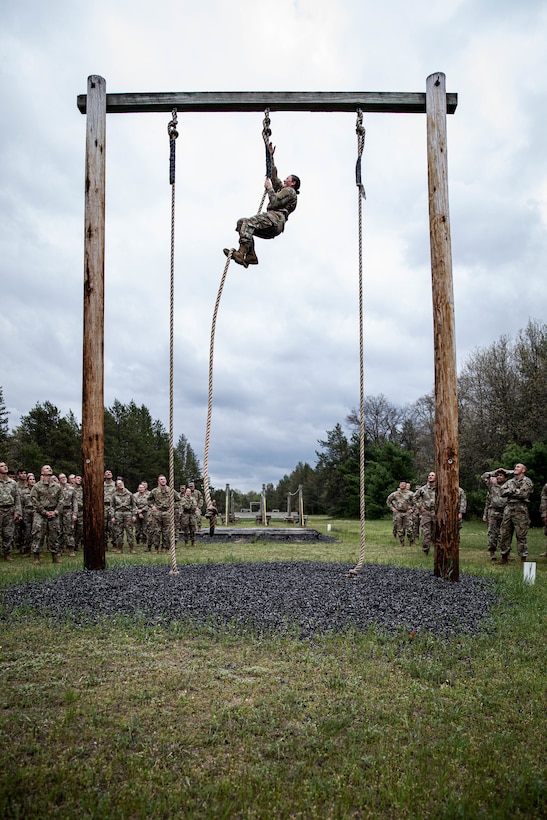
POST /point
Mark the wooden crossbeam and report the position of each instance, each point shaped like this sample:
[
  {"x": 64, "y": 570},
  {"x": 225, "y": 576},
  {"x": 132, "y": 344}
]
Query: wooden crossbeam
[{"x": 220, "y": 101}]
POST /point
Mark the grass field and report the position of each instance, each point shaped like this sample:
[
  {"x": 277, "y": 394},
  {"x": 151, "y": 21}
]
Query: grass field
[{"x": 119, "y": 721}]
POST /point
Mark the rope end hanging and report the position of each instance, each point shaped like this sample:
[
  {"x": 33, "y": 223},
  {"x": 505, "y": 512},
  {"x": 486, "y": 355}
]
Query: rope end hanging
[
  {"x": 173, "y": 134},
  {"x": 361, "y": 132}
]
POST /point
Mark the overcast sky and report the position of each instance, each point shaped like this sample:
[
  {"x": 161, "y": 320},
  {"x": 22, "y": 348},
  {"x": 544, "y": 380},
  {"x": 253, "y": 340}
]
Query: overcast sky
[{"x": 286, "y": 364}]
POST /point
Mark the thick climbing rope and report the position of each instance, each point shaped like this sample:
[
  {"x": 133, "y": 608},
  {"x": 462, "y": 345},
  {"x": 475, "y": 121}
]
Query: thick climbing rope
[
  {"x": 360, "y": 131},
  {"x": 210, "y": 395},
  {"x": 266, "y": 135},
  {"x": 173, "y": 134}
]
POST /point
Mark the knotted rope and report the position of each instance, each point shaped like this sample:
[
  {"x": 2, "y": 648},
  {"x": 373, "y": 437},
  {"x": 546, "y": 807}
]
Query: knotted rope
[
  {"x": 266, "y": 136},
  {"x": 173, "y": 134},
  {"x": 360, "y": 131}
]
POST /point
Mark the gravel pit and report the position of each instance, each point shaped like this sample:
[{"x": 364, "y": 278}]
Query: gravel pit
[{"x": 297, "y": 598}]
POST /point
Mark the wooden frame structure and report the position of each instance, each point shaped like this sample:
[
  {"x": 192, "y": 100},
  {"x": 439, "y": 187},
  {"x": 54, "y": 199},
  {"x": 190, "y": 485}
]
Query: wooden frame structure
[{"x": 436, "y": 104}]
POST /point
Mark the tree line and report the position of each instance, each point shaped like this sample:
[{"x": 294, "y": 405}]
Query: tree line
[{"x": 502, "y": 395}]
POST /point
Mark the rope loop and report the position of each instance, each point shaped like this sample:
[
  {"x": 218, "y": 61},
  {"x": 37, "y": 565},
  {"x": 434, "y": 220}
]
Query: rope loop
[
  {"x": 173, "y": 134},
  {"x": 266, "y": 136},
  {"x": 361, "y": 132}
]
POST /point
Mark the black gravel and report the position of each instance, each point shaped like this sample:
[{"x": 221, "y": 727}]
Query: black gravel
[{"x": 299, "y": 598}]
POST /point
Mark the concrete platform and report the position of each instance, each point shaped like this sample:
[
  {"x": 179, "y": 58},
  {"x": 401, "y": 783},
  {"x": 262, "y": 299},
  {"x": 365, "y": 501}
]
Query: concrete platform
[{"x": 263, "y": 534}]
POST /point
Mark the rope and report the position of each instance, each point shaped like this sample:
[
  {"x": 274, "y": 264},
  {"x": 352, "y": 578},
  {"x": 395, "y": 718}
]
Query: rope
[
  {"x": 173, "y": 134},
  {"x": 210, "y": 396},
  {"x": 360, "y": 131},
  {"x": 266, "y": 136}
]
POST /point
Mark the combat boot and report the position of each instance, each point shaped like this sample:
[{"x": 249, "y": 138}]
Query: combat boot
[
  {"x": 239, "y": 256},
  {"x": 251, "y": 257},
  {"x": 56, "y": 558}
]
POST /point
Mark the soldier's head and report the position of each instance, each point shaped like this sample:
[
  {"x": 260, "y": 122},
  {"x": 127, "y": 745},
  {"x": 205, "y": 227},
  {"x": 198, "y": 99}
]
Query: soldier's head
[
  {"x": 31, "y": 480},
  {"x": 108, "y": 475},
  {"x": 77, "y": 480},
  {"x": 3, "y": 468},
  {"x": 141, "y": 488},
  {"x": 162, "y": 481},
  {"x": 292, "y": 181},
  {"x": 21, "y": 476},
  {"x": 402, "y": 485},
  {"x": 119, "y": 483},
  {"x": 46, "y": 473},
  {"x": 63, "y": 479},
  {"x": 520, "y": 469},
  {"x": 431, "y": 478},
  {"x": 501, "y": 476},
  {"x": 407, "y": 485}
]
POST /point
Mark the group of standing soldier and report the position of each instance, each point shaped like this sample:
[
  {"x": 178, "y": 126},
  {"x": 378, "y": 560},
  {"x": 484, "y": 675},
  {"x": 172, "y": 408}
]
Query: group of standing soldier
[
  {"x": 49, "y": 513},
  {"x": 144, "y": 517},
  {"x": 35, "y": 513},
  {"x": 414, "y": 512},
  {"x": 506, "y": 511}
]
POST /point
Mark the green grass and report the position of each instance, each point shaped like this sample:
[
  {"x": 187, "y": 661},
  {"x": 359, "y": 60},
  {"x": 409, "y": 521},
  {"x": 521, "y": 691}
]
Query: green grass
[{"x": 119, "y": 721}]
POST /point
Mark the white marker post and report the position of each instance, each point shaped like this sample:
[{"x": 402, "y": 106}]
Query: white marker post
[{"x": 529, "y": 572}]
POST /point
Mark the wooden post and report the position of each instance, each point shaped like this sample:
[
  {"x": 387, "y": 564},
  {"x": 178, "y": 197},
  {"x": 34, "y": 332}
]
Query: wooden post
[
  {"x": 93, "y": 341},
  {"x": 447, "y": 534}
]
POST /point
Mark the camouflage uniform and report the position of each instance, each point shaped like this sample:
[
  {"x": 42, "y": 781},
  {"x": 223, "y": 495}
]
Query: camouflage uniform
[
  {"x": 122, "y": 512},
  {"x": 401, "y": 503},
  {"x": 46, "y": 497},
  {"x": 160, "y": 518},
  {"x": 141, "y": 517},
  {"x": 543, "y": 512},
  {"x": 424, "y": 500},
  {"x": 66, "y": 523},
  {"x": 188, "y": 519},
  {"x": 270, "y": 223},
  {"x": 10, "y": 506},
  {"x": 197, "y": 495},
  {"x": 211, "y": 514},
  {"x": 109, "y": 490},
  {"x": 79, "y": 523},
  {"x": 516, "y": 518},
  {"x": 493, "y": 510},
  {"x": 27, "y": 511}
]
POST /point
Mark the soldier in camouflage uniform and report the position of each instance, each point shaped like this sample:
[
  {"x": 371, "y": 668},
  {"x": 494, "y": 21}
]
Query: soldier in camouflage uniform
[
  {"x": 543, "y": 513},
  {"x": 424, "y": 501},
  {"x": 109, "y": 489},
  {"x": 122, "y": 517},
  {"x": 494, "y": 506},
  {"x": 141, "y": 515},
  {"x": 211, "y": 514},
  {"x": 68, "y": 517},
  {"x": 76, "y": 481},
  {"x": 516, "y": 518},
  {"x": 188, "y": 517},
  {"x": 401, "y": 504},
  {"x": 197, "y": 495},
  {"x": 282, "y": 198},
  {"x": 10, "y": 510},
  {"x": 27, "y": 508},
  {"x": 159, "y": 504},
  {"x": 47, "y": 497},
  {"x": 19, "y": 539}
]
